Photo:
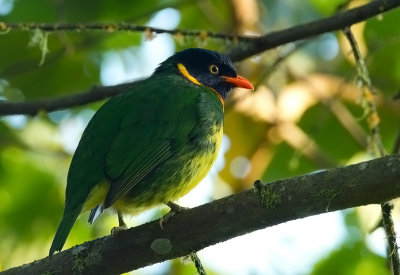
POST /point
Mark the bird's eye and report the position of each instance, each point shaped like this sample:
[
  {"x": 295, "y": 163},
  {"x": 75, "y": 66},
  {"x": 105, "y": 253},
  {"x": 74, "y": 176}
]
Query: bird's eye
[{"x": 213, "y": 69}]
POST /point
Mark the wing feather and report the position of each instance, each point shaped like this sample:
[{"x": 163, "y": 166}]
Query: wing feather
[{"x": 137, "y": 170}]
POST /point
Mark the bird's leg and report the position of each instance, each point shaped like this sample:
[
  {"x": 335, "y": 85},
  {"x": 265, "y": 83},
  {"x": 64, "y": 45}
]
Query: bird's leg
[
  {"x": 121, "y": 220},
  {"x": 122, "y": 225},
  {"x": 174, "y": 210}
]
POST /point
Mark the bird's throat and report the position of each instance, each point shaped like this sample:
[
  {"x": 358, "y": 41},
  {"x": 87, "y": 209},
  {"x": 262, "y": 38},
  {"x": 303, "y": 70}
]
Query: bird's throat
[{"x": 219, "y": 96}]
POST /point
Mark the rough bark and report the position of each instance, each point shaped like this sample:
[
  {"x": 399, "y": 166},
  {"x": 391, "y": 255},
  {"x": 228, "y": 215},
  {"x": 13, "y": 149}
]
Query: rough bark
[{"x": 371, "y": 182}]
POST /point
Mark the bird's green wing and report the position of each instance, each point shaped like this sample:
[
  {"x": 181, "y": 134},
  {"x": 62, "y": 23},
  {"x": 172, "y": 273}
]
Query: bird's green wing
[
  {"x": 156, "y": 125},
  {"x": 128, "y": 172}
]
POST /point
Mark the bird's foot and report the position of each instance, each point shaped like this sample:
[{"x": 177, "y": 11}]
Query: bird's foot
[
  {"x": 175, "y": 209},
  {"x": 118, "y": 229},
  {"x": 122, "y": 225}
]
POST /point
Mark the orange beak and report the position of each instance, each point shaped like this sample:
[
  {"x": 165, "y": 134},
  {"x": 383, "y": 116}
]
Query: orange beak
[{"x": 238, "y": 81}]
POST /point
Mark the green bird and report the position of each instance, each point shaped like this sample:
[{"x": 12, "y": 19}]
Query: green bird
[{"x": 153, "y": 143}]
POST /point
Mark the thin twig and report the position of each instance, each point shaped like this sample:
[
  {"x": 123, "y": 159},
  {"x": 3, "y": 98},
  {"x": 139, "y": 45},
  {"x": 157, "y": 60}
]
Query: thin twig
[
  {"x": 118, "y": 27},
  {"x": 197, "y": 263},
  {"x": 364, "y": 81},
  {"x": 388, "y": 226},
  {"x": 373, "y": 122}
]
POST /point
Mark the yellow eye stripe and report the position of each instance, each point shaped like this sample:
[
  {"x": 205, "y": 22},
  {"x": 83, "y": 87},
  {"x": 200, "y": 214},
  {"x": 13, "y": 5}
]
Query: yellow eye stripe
[{"x": 185, "y": 72}]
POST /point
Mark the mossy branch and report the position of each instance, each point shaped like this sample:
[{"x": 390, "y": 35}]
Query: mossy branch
[
  {"x": 118, "y": 27},
  {"x": 371, "y": 182}
]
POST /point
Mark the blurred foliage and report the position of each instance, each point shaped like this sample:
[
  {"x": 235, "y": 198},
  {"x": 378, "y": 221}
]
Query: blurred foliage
[
  {"x": 304, "y": 115},
  {"x": 353, "y": 256}
]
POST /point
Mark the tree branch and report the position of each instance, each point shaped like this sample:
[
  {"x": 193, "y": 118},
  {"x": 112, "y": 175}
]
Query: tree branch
[
  {"x": 118, "y": 27},
  {"x": 317, "y": 27},
  {"x": 251, "y": 46},
  {"x": 370, "y": 182},
  {"x": 64, "y": 102}
]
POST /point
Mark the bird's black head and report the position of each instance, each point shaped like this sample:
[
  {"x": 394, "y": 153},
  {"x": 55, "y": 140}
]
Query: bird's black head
[{"x": 208, "y": 68}]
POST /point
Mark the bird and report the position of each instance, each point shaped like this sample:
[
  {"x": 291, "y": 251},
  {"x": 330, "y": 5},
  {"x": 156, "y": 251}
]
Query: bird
[{"x": 153, "y": 143}]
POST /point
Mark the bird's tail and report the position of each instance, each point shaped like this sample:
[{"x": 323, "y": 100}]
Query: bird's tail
[
  {"x": 64, "y": 228},
  {"x": 95, "y": 213}
]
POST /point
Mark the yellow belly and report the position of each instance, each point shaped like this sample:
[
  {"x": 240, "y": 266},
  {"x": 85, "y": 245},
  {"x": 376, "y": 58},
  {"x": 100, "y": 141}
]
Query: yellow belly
[{"x": 201, "y": 165}]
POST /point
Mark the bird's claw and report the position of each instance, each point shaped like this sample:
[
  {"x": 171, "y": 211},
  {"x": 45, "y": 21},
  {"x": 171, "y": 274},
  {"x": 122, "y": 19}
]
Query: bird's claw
[
  {"x": 174, "y": 210},
  {"x": 118, "y": 229}
]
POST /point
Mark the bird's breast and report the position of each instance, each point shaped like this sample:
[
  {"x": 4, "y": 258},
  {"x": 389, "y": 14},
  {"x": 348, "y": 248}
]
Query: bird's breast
[
  {"x": 197, "y": 167},
  {"x": 204, "y": 142}
]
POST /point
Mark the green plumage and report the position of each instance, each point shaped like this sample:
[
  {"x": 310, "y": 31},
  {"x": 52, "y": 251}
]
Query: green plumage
[{"x": 147, "y": 146}]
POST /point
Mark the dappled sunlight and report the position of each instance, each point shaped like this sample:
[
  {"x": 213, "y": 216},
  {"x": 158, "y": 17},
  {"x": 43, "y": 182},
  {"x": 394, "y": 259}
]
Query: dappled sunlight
[
  {"x": 258, "y": 104},
  {"x": 293, "y": 102}
]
